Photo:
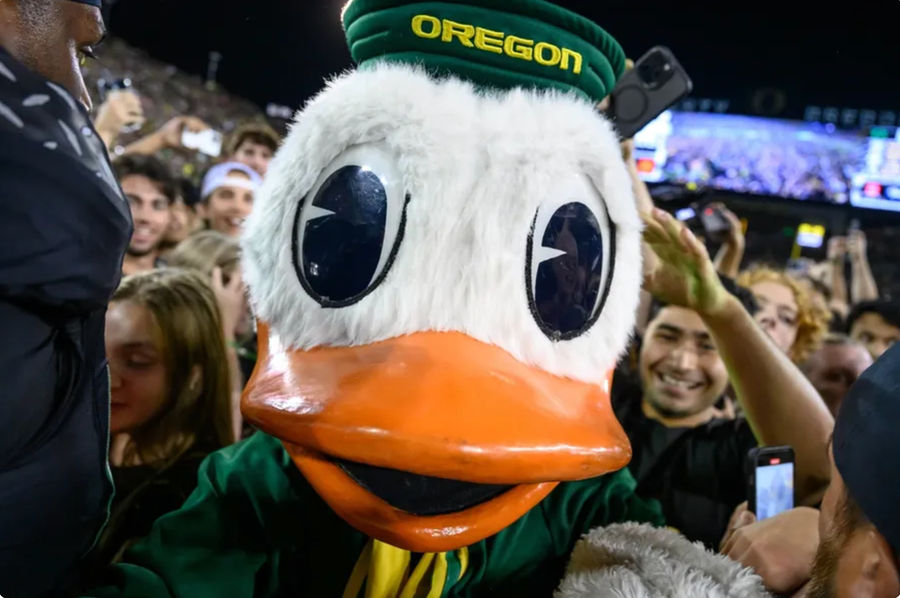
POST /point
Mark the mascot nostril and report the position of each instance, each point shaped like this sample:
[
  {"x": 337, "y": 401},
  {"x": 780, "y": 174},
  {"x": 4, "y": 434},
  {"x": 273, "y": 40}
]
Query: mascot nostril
[{"x": 445, "y": 263}]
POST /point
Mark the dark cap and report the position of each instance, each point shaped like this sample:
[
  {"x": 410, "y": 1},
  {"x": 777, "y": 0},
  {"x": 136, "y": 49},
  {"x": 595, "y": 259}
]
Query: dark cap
[{"x": 867, "y": 447}]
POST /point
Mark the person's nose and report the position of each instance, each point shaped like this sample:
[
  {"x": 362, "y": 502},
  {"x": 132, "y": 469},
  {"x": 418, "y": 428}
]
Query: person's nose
[
  {"x": 139, "y": 214},
  {"x": 115, "y": 381},
  {"x": 767, "y": 319},
  {"x": 683, "y": 358}
]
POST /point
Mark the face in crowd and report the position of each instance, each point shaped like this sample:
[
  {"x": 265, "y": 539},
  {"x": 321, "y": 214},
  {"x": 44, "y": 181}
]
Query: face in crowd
[
  {"x": 227, "y": 206},
  {"x": 255, "y": 155},
  {"x": 778, "y": 312},
  {"x": 151, "y": 212},
  {"x": 875, "y": 333},
  {"x": 137, "y": 368},
  {"x": 834, "y": 368},
  {"x": 681, "y": 371}
]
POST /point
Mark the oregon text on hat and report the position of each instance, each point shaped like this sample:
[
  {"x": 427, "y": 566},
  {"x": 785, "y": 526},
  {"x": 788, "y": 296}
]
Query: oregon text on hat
[{"x": 498, "y": 42}]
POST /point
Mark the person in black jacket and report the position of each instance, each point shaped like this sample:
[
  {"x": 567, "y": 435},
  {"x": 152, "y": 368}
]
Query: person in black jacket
[{"x": 63, "y": 229}]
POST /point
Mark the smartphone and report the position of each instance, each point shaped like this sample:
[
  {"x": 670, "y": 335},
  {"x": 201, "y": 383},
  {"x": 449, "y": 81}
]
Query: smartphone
[
  {"x": 208, "y": 141},
  {"x": 655, "y": 83},
  {"x": 715, "y": 225},
  {"x": 770, "y": 480},
  {"x": 106, "y": 85}
]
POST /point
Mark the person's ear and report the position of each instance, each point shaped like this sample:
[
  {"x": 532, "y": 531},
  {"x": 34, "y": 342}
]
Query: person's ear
[{"x": 878, "y": 573}]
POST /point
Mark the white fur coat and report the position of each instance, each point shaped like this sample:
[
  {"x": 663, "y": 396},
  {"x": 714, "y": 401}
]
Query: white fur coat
[{"x": 630, "y": 560}]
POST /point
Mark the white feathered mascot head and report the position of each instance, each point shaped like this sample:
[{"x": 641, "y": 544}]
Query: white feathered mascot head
[{"x": 445, "y": 263}]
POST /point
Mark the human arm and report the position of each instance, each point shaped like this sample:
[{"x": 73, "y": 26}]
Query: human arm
[
  {"x": 837, "y": 249},
  {"x": 166, "y": 137},
  {"x": 644, "y": 202},
  {"x": 728, "y": 259},
  {"x": 231, "y": 298},
  {"x": 862, "y": 283},
  {"x": 780, "y": 404}
]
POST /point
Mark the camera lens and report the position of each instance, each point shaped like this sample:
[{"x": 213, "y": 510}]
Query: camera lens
[{"x": 655, "y": 70}]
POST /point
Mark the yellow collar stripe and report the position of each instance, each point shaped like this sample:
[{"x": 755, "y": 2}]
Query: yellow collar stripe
[{"x": 385, "y": 571}]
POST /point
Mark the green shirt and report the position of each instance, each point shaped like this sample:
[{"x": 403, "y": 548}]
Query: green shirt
[{"x": 255, "y": 527}]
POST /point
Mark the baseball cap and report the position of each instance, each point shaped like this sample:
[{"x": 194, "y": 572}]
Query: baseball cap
[
  {"x": 866, "y": 450},
  {"x": 220, "y": 176}
]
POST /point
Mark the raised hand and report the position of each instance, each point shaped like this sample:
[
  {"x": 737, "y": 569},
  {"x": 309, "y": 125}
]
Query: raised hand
[{"x": 684, "y": 274}]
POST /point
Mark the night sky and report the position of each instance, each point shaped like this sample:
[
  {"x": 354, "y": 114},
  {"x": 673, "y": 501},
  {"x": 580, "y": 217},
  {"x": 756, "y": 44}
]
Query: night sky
[{"x": 281, "y": 50}]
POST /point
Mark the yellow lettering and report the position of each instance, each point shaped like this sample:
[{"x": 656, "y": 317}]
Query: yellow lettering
[
  {"x": 539, "y": 54},
  {"x": 461, "y": 30},
  {"x": 489, "y": 41},
  {"x": 564, "y": 64},
  {"x": 496, "y": 42},
  {"x": 518, "y": 47},
  {"x": 419, "y": 30}
]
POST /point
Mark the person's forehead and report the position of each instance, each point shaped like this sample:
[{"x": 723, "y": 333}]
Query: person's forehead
[
  {"x": 873, "y": 321},
  {"x": 849, "y": 354},
  {"x": 232, "y": 189},
  {"x": 84, "y": 20},
  {"x": 131, "y": 323},
  {"x": 254, "y": 145},
  {"x": 680, "y": 317},
  {"x": 141, "y": 186},
  {"x": 769, "y": 291}
]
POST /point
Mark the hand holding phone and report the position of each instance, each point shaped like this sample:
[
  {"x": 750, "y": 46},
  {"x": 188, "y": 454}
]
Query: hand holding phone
[
  {"x": 655, "y": 83},
  {"x": 770, "y": 480}
]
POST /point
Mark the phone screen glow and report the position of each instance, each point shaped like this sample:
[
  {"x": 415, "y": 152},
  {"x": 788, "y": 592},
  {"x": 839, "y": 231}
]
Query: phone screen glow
[{"x": 774, "y": 489}]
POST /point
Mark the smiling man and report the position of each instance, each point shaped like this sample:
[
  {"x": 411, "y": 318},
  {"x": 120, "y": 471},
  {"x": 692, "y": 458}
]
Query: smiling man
[
  {"x": 227, "y": 197},
  {"x": 63, "y": 229},
  {"x": 150, "y": 189},
  {"x": 684, "y": 453},
  {"x": 701, "y": 339}
]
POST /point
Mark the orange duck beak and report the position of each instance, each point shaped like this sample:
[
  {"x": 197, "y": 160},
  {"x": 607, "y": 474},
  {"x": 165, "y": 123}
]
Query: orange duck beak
[{"x": 431, "y": 441}]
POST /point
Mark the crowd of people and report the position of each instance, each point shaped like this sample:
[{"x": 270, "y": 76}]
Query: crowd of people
[
  {"x": 727, "y": 356},
  {"x": 772, "y": 158}
]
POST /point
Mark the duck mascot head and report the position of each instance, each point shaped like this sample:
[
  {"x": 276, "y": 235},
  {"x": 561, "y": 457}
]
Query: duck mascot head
[{"x": 445, "y": 264}]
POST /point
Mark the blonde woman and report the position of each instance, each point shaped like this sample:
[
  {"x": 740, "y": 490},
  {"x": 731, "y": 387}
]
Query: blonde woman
[
  {"x": 217, "y": 258},
  {"x": 170, "y": 398},
  {"x": 788, "y": 312}
]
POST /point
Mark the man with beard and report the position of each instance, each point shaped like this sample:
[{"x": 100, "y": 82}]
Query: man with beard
[
  {"x": 63, "y": 229},
  {"x": 855, "y": 539}
]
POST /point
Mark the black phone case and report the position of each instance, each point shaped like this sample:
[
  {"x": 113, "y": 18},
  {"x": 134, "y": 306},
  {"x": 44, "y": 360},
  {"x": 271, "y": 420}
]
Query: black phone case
[{"x": 634, "y": 103}]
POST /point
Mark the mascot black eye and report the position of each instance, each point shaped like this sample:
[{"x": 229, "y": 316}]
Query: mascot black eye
[
  {"x": 349, "y": 227},
  {"x": 570, "y": 256}
]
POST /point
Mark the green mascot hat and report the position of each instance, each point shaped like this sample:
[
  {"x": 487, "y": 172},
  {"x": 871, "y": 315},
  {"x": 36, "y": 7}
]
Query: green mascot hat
[{"x": 493, "y": 43}]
